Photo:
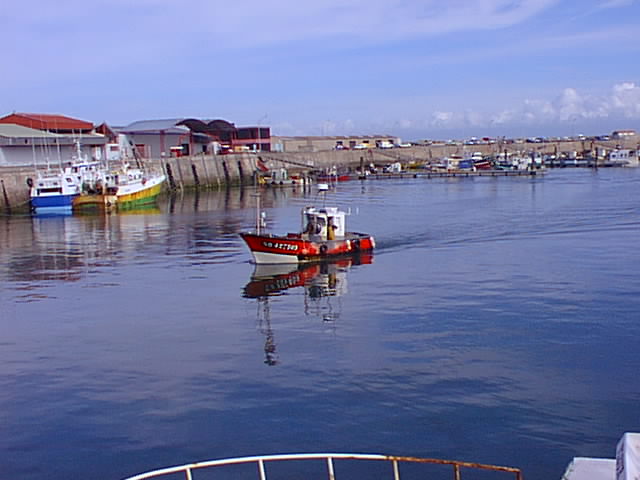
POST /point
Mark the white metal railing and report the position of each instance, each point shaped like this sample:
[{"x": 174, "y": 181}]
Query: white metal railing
[{"x": 261, "y": 460}]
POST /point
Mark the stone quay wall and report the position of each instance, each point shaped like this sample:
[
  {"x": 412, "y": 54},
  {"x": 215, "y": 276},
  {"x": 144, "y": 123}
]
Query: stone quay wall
[{"x": 217, "y": 171}]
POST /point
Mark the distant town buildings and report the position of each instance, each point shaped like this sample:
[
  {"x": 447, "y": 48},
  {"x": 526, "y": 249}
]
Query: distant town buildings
[{"x": 320, "y": 143}]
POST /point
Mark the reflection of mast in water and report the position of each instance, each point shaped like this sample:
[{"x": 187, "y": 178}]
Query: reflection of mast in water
[
  {"x": 320, "y": 281},
  {"x": 320, "y": 289},
  {"x": 264, "y": 323}
]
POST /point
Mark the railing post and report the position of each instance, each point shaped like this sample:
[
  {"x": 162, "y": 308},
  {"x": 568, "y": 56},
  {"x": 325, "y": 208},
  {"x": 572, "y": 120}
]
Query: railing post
[
  {"x": 263, "y": 475},
  {"x": 396, "y": 470},
  {"x": 456, "y": 471},
  {"x": 188, "y": 474},
  {"x": 332, "y": 475}
]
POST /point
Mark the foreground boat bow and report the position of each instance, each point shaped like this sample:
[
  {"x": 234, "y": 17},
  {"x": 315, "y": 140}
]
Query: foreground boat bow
[{"x": 330, "y": 459}]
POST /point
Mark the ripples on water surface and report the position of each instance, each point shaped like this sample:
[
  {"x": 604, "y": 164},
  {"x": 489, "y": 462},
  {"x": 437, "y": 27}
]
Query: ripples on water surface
[{"x": 497, "y": 322}]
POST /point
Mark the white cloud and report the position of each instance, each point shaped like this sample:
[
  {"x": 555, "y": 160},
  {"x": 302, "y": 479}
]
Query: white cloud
[
  {"x": 569, "y": 107},
  {"x": 625, "y": 99},
  {"x": 442, "y": 119}
]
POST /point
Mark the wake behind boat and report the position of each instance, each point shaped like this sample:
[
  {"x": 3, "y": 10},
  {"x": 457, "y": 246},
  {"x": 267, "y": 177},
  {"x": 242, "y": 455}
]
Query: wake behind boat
[{"x": 323, "y": 236}]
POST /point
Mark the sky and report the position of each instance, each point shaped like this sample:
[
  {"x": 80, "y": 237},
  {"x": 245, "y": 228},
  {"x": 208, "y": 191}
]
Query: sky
[{"x": 417, "y": 69}]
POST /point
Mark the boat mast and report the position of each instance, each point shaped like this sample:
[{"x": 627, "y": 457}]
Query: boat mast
[
  {"x": 322, "y": 189},
  {"x": 259, "y": 215}
]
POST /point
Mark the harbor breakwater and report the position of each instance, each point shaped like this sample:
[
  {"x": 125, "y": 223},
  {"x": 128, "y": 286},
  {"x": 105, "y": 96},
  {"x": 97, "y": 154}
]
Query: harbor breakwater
[
  {"x": 221, "y": 171},
  {"x": 199, "y": 171}
]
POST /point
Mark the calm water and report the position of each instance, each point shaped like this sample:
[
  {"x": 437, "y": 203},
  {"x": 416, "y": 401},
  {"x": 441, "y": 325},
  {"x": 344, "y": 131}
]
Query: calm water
[{"x": 497, "y": 322}]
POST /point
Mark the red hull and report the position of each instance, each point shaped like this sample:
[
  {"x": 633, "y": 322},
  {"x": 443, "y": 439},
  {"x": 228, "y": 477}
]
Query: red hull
[
  {"x": 293, "y": 248},
  {"x": 336, "y": 178}
]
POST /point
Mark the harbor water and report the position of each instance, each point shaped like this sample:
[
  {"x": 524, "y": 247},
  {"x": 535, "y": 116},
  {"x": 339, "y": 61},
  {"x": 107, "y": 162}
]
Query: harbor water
[{"x": 496, "y": 322}]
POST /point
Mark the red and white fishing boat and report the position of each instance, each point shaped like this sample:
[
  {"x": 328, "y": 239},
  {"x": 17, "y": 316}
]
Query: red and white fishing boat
[{"x": 323, "y": 236}]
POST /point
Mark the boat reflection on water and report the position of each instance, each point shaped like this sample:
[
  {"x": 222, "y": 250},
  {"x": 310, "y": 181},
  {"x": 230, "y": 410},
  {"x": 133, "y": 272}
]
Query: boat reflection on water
[{"x": 320, "y": 281}]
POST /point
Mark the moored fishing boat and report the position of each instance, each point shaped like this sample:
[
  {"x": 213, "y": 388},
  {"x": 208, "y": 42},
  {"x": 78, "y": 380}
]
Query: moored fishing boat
[
  {"x": 281, "y": 178},
  {"x": 334, "y": 175},
  {"x": 52, "y": 191},
  {"x": 125, "y": 188},
  {"x": 323, "y": 236}
]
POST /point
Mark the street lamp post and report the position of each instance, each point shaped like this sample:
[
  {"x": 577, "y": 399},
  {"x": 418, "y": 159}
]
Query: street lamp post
[{"x": 264, "y": 117}]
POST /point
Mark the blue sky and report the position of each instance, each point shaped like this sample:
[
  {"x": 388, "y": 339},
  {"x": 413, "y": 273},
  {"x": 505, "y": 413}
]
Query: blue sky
[{"x": 412, "y": 68}]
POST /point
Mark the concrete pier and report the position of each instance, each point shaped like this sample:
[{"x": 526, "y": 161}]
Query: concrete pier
[{"x": 216, "y": 171}]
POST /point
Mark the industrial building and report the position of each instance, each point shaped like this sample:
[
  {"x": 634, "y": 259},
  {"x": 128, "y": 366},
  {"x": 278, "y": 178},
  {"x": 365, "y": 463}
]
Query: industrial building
[
  {"x": 46, "y": 140},
  {"x": 190, "y": 136}
]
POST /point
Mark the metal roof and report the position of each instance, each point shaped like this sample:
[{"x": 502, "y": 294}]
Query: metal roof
[
  {"x": 10, "y": 132},
  {"x": 46, "y": 121},
  {"x": 167, "y": 125}
]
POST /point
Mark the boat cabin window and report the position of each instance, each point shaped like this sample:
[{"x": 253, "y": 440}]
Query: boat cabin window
[
  {"x": 49, "y": 190},
  {"x": 314, "y": 225}
]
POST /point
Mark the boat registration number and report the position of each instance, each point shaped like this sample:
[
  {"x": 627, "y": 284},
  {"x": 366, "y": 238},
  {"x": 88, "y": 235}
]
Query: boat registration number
[{"x": 280, "y": 246}]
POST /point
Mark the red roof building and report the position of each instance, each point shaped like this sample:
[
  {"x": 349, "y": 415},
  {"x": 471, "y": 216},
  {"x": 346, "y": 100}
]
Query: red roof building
[{"x": 48, "y": 122}]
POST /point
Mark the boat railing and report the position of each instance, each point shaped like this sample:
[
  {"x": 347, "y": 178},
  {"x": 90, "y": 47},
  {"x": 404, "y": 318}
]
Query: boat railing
[{"x": 329, "y": 458}]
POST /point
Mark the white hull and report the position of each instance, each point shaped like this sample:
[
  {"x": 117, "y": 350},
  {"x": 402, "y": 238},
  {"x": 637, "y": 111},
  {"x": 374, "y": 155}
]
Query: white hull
[{"x": 273, "y": 258}]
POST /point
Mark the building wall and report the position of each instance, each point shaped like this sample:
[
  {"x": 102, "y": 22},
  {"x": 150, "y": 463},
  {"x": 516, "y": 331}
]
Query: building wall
[
  {"x": 41, "y": 156},
  {"x": 254, "y": 138},
  {"x": 157, "y": 145}
]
